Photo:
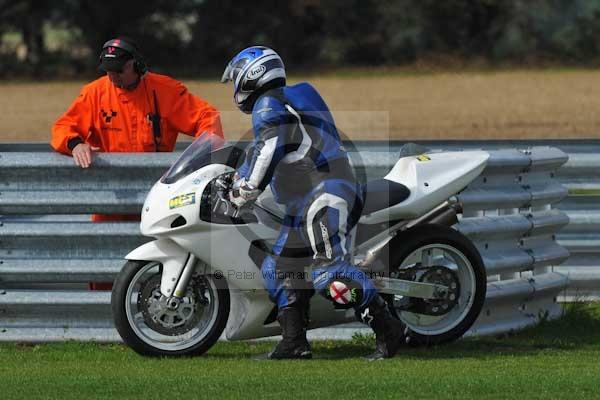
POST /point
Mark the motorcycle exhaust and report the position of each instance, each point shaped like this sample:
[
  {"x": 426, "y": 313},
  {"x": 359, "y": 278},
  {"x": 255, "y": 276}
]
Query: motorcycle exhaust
[
  {"x": 448, "y": 216},
  {"x": 445, "y": 214}
]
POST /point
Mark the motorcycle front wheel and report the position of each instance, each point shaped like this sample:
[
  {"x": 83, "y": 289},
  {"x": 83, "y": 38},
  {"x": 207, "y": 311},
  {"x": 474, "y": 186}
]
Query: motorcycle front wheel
[{"x": 155, "y": 325}]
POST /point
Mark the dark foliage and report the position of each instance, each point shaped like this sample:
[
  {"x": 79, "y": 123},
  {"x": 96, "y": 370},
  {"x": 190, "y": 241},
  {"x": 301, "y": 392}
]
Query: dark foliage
[{"x": 195, "y": 36}]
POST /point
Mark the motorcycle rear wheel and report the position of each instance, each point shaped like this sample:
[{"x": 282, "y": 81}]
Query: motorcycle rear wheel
[{"x": 429, "y": 247}]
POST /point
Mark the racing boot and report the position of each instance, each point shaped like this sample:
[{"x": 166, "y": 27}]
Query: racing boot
[
  {"x": 293, "y": 331},
  {"x": 389, "y": 331}
]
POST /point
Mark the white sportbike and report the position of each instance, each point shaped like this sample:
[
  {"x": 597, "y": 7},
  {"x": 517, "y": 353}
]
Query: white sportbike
[{"x": 201, "y": 277}]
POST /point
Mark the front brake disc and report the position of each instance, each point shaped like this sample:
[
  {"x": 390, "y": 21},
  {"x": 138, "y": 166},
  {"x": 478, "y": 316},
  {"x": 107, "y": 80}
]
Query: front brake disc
[{"x": 171, "y": 321}]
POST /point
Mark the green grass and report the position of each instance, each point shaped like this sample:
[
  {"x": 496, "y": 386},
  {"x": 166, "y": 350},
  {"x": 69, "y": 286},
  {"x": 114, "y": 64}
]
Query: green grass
[{"x": 557, "y": 359}]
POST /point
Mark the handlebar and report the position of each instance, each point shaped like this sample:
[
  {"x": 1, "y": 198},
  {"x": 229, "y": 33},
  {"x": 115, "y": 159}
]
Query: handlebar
[
  {"x": 222, "y": 209},
  {"x": 224, "y": 184}
]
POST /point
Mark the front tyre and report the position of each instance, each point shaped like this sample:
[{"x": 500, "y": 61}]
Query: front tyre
[
  {"x": 154, "y": 325},
  {"x": 440, "y": 255}
]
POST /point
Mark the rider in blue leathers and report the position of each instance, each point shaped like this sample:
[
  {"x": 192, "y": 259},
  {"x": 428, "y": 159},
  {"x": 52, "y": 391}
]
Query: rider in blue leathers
[{"x": 298, "y": 152}]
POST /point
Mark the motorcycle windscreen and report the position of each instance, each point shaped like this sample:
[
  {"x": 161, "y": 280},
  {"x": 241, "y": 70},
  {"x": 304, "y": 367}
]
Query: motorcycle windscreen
[{"x": 206, "y": 150}]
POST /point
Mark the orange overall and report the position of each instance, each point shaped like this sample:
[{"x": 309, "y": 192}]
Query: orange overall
[{"x": 118, "y": 120}]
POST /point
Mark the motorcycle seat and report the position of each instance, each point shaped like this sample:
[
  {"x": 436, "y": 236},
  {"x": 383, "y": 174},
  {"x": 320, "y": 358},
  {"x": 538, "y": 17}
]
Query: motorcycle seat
[{"x": 383, "y": 193}]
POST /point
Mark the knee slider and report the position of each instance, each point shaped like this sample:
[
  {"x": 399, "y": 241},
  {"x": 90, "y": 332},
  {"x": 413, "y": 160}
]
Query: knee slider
[{"x": 344, "y": 293}]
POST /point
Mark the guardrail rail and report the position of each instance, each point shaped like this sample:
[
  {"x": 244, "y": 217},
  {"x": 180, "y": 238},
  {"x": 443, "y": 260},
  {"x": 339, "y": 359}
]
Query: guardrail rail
[{"x": 49, "y": 248}]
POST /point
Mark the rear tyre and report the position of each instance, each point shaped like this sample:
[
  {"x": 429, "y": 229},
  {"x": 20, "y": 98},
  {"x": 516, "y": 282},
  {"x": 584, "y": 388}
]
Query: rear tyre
[
  {"x": 422, "y": 249},
  {"x": 154, "y": 327}
]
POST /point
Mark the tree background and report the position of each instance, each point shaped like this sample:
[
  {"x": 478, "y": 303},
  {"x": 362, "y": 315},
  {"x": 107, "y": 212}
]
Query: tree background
[{"x": 61, "y": 39}]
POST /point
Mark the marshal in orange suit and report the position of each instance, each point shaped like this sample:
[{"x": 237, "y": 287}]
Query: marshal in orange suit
[{"x": 130, "y": 109}]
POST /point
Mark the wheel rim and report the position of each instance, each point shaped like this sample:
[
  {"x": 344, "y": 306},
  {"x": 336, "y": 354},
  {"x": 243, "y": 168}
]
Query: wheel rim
[
  {"x": 169, "y": 331},
  {"x": 450, "y": 257}
]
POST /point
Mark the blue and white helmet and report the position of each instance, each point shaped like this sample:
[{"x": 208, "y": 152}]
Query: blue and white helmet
[{"x": 250, "y": 70}]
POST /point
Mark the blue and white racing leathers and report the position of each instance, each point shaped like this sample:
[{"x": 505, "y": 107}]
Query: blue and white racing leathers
[{"x": 298, "y": 152}]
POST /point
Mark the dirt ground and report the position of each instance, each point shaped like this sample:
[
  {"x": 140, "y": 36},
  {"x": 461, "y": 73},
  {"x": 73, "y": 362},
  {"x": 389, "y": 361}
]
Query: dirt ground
[{"x": 495, "y": 105}]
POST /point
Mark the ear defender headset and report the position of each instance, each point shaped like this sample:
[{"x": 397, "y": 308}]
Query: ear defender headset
[{"x": 139, "y": 65}]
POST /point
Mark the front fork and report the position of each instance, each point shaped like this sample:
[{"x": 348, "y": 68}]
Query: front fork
[{"x": 186, "y": 275}]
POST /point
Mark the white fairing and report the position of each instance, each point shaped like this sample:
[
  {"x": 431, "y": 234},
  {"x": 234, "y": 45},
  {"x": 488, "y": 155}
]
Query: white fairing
[
  {"x": 160, "y": 210},
  {"x": 431, "y": 179},
  {"x": 169, "y": 254}
]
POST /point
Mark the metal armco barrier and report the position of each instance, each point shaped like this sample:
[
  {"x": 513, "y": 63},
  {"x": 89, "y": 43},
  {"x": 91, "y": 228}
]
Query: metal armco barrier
[{"x": 49, "y": 249}]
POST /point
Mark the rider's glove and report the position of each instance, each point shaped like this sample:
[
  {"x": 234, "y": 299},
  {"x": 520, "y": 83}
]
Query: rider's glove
[{"x": 242, "y": 192}]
